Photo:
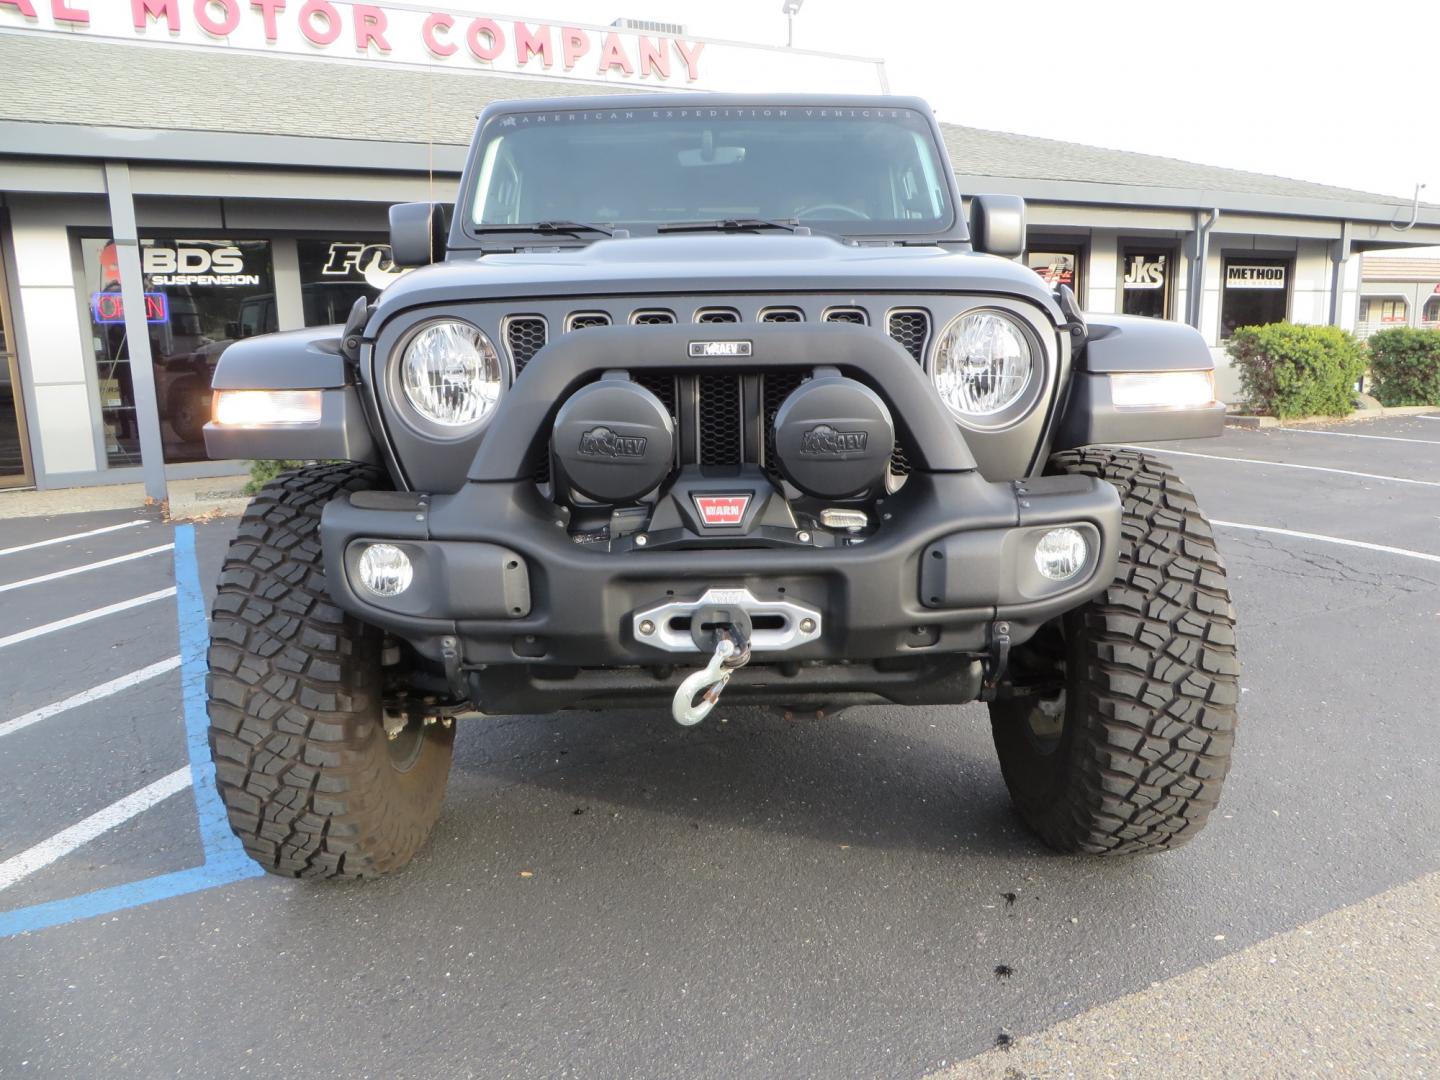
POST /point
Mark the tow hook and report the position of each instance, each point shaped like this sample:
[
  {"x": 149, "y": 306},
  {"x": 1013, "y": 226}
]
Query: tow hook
[
  {"x": 732, "y": 652},
  {"x": 998, "y": 662}
]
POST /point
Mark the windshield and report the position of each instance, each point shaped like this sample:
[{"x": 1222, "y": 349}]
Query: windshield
[{"x": 856, "y": 171}]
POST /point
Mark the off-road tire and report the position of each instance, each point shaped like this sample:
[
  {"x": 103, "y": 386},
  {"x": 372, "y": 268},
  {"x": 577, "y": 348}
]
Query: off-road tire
[
  {"x": 1151, "y": 678},
  {"x": 312, "y": 785}
]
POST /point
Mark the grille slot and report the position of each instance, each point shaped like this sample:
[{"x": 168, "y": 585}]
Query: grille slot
[
  {"x": 717, "y": 315},
  {"x": 782, "y": 314},
  {"x": 652, "y": 318},
  {"x": 525, "y": 335},
  {"x": 583, "y": 320},
  {"x": 719, "y": 419},
  {"x": 853, "y": 315},
  {"x": 663, "y": 387},
  {"x": 911, "y": 328},
  {"x": 777, "y": 387}
]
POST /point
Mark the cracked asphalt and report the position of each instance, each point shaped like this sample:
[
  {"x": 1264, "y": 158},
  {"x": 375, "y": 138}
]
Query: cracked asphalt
[{"x": 612, "y": 896}]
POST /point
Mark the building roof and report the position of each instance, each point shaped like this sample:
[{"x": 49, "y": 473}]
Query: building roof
[
  {"x": 56, "y": 80},
  {"x": 1401, "y": 268}
]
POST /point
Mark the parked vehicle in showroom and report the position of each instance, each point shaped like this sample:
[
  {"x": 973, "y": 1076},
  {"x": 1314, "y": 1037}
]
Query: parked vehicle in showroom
[{"x": 747, "y": 404}]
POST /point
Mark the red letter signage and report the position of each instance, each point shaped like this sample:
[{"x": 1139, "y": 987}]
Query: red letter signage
[
  {"x": 222, "y": 27},
  {"x": 142, "y": 11},
  {"x": 438, "y": 21},
  {"x": 268, "y": 10}
]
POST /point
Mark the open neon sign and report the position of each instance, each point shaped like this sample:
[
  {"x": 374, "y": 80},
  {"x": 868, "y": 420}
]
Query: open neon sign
[{"x": 108, "y": 307}]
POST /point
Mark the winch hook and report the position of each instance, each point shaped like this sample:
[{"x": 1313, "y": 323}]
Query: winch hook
[{"x": 729, "y": 656}]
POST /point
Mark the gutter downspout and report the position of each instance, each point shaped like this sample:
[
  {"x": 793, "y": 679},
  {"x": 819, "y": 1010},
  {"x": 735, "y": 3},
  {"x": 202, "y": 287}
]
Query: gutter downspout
[
  {"x": 1198, "y": 252},
  {"x": 1339, "y": 253}
]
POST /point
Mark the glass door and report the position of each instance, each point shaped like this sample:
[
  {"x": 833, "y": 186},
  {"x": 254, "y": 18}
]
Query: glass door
[{"x": 14, "y": 446}]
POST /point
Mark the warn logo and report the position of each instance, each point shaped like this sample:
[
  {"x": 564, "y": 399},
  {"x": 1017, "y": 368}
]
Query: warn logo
[
  {"x": 825, "y": 441},
  {"x": 716, "y": 510},
  {"x": 602, "y": 442}
]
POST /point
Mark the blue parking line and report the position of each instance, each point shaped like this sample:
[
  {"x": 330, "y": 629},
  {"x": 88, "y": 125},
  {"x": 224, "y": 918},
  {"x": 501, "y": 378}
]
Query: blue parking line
[{"x": 225, "y": 859}]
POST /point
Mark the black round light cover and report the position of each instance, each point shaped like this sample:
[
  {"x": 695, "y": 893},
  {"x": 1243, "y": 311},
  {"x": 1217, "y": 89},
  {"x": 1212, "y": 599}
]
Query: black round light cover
[
  {"x": 834, "y": 437},
  {"x": 614, "y": 441}
]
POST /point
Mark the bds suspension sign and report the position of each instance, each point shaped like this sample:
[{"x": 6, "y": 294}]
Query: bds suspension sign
[{"x": 422, "y": 35}]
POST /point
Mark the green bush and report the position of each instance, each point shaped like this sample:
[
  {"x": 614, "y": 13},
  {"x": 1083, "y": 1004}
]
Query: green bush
[
  {"x": 1288, "y": 370},
  {"x": 263, "y": 471},
  {"x": 1405, "y": 364}
]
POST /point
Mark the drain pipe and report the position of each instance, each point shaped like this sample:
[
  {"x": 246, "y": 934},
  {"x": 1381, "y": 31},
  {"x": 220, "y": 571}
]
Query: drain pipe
[
  {"x": 1199, "y": 254},
  {"x": 1339, "y": 252}
]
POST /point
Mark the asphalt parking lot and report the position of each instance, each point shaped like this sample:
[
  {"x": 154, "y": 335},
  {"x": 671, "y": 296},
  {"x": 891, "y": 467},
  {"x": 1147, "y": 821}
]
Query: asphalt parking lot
[{"x": 613, "y": 896}]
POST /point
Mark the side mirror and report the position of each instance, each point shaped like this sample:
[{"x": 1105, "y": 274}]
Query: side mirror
[
  {"x": 417, "y": 233},
  {"x": 997, "y": 224}
]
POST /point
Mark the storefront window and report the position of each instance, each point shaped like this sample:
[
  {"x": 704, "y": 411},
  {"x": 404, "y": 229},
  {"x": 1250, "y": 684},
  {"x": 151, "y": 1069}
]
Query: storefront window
[
  {"x": 1057, "y": 265},
  {"x": 1430, "y": 313},
  {"x": 13, "y": 467},
  {"x": 336, "y": 273},
  {"x": 1256, "y": 292},
  {"x": 1145, "y": 281},
  {"x": 200, "y": 295}
]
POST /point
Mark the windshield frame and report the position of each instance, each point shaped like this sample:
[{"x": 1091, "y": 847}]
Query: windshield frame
[{"x": 466, "y": 235}]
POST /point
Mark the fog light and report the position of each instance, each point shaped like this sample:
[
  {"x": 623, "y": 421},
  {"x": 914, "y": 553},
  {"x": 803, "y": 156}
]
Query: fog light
[
  {"x": 385, "y": 570},
  {"x": 1061, "y": 554}
]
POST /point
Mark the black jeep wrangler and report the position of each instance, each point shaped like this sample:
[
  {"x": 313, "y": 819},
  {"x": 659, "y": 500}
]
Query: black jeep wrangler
[{"x": 703, "y": 393}]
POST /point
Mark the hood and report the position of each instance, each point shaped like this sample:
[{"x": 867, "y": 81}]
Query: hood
[{"x": 685, "y": 265}]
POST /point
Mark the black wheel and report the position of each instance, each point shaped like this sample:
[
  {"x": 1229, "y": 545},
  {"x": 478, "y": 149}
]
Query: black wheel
[
  {"x": 187, "y": 407},
  {"x": 313, "y": 785},
  {"x": 1127, "y": 744}
]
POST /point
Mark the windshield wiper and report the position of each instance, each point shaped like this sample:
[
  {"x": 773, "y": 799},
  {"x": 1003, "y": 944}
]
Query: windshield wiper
[
  {"x": 568, "y": 227},
  {"x": 745, "y": 224}
]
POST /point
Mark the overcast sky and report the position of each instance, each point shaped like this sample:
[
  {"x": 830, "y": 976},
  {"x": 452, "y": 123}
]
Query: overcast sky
[{"x": 1336, "y": 93}]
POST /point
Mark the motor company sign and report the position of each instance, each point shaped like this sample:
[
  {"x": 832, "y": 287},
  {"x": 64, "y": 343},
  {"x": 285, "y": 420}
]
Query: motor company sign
[{"x": 402, "y": 33}]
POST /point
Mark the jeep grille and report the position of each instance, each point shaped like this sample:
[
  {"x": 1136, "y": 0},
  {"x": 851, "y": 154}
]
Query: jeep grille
[
  {"x": 525, "y": 335},
  {"x": 911, "y": 328}
]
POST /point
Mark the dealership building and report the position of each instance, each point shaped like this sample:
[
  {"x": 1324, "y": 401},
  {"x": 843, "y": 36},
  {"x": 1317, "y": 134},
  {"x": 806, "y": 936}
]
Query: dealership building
[{"x": 238, "y": 159}]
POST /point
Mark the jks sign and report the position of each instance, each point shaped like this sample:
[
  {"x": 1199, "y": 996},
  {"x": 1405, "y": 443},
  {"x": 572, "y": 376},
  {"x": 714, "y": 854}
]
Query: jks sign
[
  {"x": 1145, "y": 272},
  {"x": 409, "y": 33}
]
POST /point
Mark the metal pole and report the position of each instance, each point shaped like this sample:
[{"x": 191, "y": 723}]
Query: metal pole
[
  {"x": 137, "y": 329},
  {"x": 789, "y": 31}
]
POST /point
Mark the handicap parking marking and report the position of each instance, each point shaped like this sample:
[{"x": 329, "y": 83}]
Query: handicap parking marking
[
  {"x": 85, "y": 616},
  {"x": 21, "y": 866},
  {"x": 73, "y": 536},
  {"x": 115, "y": 560},
  {"x": 95, "y": 693},
  {"x": 225, "y": 860}
]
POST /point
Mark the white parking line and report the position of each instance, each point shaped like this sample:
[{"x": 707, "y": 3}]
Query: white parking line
[
  {"x": 84, "y": 617},
  {"x": 1426, "y": 416},
  {"x": 1288, "y": 465},
  {"x": 66, "y": 841},
  {"x": 84, "y": 697},
  {"x": 1425, "y": 555},
  {"x": 87, "y": 566},
  {"x": 72, "y": 536},
  {"x": 1356, "y": 435}
]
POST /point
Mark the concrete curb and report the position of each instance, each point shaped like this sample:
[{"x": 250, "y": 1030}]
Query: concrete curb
[
  {"x": 190, "y": 500},
  {"x": 1254, "y": 423}
]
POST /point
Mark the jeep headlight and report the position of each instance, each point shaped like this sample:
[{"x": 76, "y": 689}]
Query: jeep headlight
[
  {"x": 982, "y": 363},
  {"x": 450, "y": 373}
]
